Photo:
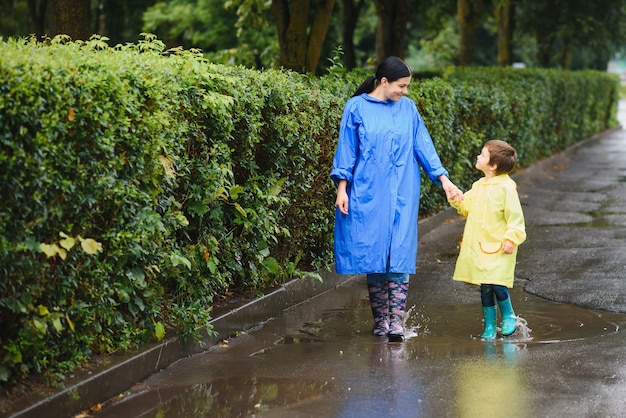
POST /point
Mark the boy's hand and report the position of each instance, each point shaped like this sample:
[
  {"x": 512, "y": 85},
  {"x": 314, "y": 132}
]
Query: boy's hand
[
  {"x": 508, "y": 247},
  {"x": 455, "y": 196}
]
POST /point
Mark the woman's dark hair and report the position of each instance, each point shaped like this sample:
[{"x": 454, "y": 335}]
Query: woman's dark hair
[
  {"x": 502, "y": 155},
  {"x": 391, "y": 68}
]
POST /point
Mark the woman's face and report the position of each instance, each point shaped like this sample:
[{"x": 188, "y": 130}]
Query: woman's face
[{"x": 395, "y": 90}]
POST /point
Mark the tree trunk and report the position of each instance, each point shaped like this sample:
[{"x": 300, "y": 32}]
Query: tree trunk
[
  {"x": 298, "y": 51},
  {"x": 351, "y": 12},
  {"x": 544, "y": 49},
  {"x": 505, "y": 12},
  {"x": 319, "y": 29},
  {"x": 393, "y": 16},
  {"x": 37, "y": 15},
  {"x": 69, "y": 17},
  {"x": 468, "y": 12},
  {"x": 566, "y": 57}
]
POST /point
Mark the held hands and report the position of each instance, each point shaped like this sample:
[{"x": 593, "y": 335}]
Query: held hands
[
  {"x": 453, "y": 193},
  {"x": 455, "y": 196}
]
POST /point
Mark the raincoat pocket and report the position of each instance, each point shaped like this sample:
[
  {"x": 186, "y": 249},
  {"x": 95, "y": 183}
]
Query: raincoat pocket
[
  {"x": 490, "y": 247},
  {"x": 489, "y": 254}
]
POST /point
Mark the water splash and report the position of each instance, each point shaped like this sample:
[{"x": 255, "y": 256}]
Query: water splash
[
  {"x": 522, "y": 333},
  {"x": 418, "y": 323}
]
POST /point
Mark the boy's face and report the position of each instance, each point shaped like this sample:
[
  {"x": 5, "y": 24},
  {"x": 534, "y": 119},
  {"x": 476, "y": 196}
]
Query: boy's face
[{"x": 482, "y": 161}]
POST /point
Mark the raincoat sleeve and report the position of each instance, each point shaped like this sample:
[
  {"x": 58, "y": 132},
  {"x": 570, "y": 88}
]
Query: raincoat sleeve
[
  {"x": 425, "y": 152},
  {"x": 347, "y": 147},
  {"x": 513, "y": 215}
]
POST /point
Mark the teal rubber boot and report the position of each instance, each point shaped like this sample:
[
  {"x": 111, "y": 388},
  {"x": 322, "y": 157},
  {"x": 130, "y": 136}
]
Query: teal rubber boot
[
  {"x": 489, "y": 315},
  {"x": 509, "y": 319}
]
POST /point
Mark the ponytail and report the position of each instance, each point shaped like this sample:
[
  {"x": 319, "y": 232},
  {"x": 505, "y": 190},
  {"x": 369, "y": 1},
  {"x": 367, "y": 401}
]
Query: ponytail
[{"x": 367, "y": 86}]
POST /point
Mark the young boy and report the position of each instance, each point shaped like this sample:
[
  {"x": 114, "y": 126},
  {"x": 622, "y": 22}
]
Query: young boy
[{"x": 493, "y": 230}]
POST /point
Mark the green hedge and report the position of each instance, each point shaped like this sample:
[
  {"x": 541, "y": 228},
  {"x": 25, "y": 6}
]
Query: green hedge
[{"x": 137, "y": 184}]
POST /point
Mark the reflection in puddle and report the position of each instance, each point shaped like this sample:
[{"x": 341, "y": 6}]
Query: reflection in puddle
[
  {"x": 238, "y": 397},
  {"x": 397, "y": 391},
  {"x": 488, "y": 387}
]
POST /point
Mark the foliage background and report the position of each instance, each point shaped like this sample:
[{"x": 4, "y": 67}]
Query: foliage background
[{"x": 585, "y": 33}]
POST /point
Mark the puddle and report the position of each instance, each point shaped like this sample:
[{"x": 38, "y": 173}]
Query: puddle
[
  {"x": 320, "y": 360},
  {"x": 232, "y": 397},
  {"x": 539, "y": 322}
]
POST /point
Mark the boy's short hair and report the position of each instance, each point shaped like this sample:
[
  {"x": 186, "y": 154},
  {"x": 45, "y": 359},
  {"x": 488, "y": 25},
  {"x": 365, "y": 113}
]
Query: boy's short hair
[{"x": 502, "y": 155}]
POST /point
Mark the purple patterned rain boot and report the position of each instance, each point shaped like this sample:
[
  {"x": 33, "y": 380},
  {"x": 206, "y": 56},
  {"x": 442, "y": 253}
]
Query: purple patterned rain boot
[
  {"x": 379, "y": 302},
  {"x": 397, "y": 304}
]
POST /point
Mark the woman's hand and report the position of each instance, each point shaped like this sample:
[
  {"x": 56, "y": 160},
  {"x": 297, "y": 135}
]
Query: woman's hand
[{"x": 342, "y": 197}]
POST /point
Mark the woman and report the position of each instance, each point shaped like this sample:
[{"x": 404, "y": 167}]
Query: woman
[{"x": 382, "y": 144}]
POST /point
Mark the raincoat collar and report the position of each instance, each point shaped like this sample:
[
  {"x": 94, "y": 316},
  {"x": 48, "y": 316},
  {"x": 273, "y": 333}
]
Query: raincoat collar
[
  {"x": 500, "y": 178},
  {"x": 375, "y": 100}
]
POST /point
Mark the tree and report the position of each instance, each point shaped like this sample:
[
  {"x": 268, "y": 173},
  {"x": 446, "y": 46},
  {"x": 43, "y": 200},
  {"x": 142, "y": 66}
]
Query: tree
[
  {"x": 14, "y": 18},
  {"x": 37, "y": 16},
  {"x": 300, "y": 48},
  {"x": 505, "y": 20},
  {"x": 563, "y": 29},
  {"x": 433, "y": 35},
  {"x": 393, "y": 16},
  {"x": 350, "y": 17},
  {"x": 204, "y": 24},
  {"x": 119, "y": 20},
  {"x": 468, "y": 12},
  {"x": 69, "y": 17}
]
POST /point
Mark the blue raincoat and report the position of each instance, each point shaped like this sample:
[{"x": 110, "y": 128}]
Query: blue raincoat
[{"x": 381, "y": 146}]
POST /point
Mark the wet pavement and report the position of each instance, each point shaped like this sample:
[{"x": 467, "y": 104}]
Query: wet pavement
[
  {"x": 568, "y": 357},
  {"x": 319, "y": 359}
]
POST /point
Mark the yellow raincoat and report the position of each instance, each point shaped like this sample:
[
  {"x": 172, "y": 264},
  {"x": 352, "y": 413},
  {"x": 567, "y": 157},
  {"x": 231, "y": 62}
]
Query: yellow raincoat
[{"x": 494, "y": 214}]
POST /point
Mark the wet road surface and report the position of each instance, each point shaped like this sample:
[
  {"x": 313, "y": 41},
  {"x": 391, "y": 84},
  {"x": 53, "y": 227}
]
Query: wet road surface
[
  {"x": 319, "y": 360},
  {"x": 568, "y": 357}
]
